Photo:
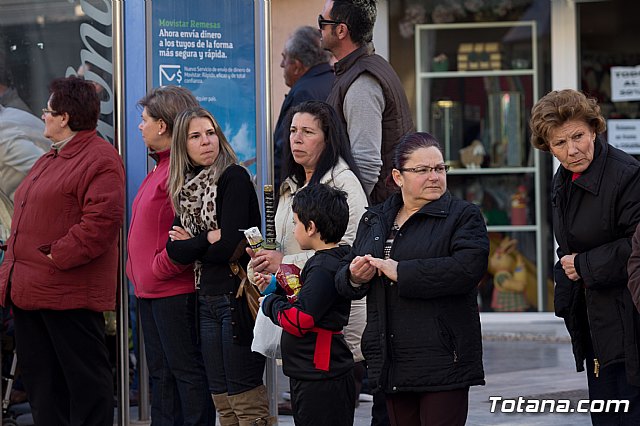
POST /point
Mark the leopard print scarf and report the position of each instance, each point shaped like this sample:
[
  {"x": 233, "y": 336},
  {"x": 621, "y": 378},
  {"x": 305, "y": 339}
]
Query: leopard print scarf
[{"x": 198, "y": 208}]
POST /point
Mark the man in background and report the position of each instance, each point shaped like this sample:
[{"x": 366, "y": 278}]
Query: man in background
[
  {"x": 369, "y": 97},
  {"x": 21, "y": 143},
  {"x": 9, "y": 96},
  {"x": 367, "y": 94},
  {"x": 309, "y": 75}
]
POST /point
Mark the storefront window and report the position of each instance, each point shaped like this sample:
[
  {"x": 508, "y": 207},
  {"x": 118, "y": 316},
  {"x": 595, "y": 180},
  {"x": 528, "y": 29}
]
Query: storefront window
[
  {"x": 472, "y": 71},
  {"x": 609, "y": 55},
  {"x": 43, "y": 40}
]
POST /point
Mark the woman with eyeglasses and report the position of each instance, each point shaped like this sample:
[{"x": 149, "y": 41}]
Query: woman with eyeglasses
[
  {"x": 61, "y": 264},
  {"x": 418, "y": 258}
]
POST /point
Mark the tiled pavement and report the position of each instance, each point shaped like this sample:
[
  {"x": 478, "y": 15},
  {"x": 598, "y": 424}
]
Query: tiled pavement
[{"x": 526, "y": 355}]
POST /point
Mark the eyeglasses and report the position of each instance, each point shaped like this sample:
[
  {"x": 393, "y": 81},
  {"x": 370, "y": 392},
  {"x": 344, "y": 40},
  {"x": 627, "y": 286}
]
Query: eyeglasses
[
  {"x": 49, "y": 111},
  {"x": 423, "y": 170},
  {"x": 322, "y": 22}
]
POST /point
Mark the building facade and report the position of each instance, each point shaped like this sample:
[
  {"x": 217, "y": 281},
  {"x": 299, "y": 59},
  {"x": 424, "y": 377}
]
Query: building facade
[{"x": 471, "y": 69}]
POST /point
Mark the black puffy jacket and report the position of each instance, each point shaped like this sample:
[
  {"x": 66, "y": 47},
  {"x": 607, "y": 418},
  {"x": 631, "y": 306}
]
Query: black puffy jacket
[
  {"x": 595, "y": 216},
  {"x": 423, "y": 333}
]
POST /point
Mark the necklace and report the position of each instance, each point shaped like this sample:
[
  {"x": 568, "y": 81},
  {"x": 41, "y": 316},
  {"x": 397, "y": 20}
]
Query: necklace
[{"x": 396, "y": 227}]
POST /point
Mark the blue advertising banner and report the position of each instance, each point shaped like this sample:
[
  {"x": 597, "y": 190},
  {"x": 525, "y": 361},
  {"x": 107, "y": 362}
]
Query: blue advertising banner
[{"x": 207, "y": 46}]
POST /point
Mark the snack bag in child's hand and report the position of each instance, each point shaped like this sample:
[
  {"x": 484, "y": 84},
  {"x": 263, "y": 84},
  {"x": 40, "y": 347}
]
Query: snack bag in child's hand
[
  {"x": 256, "y": 241},
  {"x": 288, "y": 277}
]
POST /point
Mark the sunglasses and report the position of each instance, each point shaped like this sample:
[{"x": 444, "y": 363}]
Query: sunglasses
[{"x": 322, "y": 22}]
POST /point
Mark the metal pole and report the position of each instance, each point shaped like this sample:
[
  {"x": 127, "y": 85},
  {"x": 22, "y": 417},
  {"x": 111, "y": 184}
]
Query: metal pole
[
  {"x": 144, "y": 409},
  {"x": 264, "y": 145},
  {"x": 564, "y": 59},
  {"x": 264, "y": 148},
  {"x": 120, "y": 141}
]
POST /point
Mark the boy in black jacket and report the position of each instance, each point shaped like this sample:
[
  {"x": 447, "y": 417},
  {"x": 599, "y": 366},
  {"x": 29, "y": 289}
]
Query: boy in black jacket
[{"x": 315, "y": 355}]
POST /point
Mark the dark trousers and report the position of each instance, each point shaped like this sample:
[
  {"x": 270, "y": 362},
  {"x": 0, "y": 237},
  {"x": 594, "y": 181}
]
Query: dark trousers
[
  {"x": 323, "y": 402},
  {"x": 230, "y": 367},
  {"x": 448, "y": 408},
  {"x": 611, "y": 384},
  {"x": 379, "y": 416},
  {"x": 180, "y": 392},
  {"x": 65, "y": 366}
]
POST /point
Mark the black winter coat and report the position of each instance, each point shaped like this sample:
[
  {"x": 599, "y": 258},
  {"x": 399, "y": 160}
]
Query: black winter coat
[
  {"x": 423, "y": 332},
  {"x": 596, "y": 216},
  {"x": 318, "y": 305}
]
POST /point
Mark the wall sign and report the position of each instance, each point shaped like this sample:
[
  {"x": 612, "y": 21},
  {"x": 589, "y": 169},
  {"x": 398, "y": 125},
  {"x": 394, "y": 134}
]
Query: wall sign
[
  {"x": 207, "y": 46},
  {"x": 625, "y": 84},
  {"x": 624, "y": 134}
]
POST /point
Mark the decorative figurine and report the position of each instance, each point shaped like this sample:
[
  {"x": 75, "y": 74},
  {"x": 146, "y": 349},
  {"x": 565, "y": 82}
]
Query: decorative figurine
[{"x": 472, "y": 156}]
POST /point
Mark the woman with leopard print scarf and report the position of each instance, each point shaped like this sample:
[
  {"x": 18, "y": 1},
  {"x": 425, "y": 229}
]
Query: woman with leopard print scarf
[{"x": 214, "y": 199}]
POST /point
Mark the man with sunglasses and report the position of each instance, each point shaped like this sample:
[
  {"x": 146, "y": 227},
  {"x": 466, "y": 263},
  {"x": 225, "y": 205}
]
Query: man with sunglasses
[
  {"x": 9, "y": 96},
  {"x": 367, "y": 94}
]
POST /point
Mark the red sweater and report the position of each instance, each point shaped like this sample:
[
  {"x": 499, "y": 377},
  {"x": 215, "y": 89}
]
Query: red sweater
[
  {"x": 70, "y": 205},
  {"x": 148, "y": 267}
]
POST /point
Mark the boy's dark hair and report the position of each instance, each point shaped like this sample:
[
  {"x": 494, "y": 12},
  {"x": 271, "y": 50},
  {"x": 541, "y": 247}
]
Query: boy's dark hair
[{"x": 327, "y": 207}]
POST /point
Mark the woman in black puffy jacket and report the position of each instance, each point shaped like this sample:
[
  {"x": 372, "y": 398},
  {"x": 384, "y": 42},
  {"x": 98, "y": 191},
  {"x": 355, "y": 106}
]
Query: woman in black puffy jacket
[
  {"x": 596, "y": 206},
  {"x": 418, "y": 257}
]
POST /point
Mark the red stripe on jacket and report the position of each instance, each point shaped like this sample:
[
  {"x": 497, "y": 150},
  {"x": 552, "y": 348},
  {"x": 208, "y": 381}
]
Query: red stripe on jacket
[{"x": 298, "y": 323}]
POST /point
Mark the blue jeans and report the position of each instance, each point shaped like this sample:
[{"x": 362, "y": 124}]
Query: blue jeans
[
  {"x": 180, "y": 393},
  {"x": 231, "y": 368}
]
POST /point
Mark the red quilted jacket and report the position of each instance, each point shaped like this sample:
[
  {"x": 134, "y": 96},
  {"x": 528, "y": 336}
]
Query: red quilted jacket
[{"x": 70, "y": 205}]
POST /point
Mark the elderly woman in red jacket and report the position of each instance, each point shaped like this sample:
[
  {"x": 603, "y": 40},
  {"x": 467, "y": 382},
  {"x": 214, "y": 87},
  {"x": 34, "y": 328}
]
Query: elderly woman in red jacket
[{"x": 61, "y": 263}]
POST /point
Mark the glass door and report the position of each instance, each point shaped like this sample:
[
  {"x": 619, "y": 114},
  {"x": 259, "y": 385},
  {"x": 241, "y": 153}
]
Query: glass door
[{"x": 609, "y": 66}]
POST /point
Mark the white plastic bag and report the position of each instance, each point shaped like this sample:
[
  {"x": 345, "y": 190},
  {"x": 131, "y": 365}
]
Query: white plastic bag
[{"x": 266, "y": 336}]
